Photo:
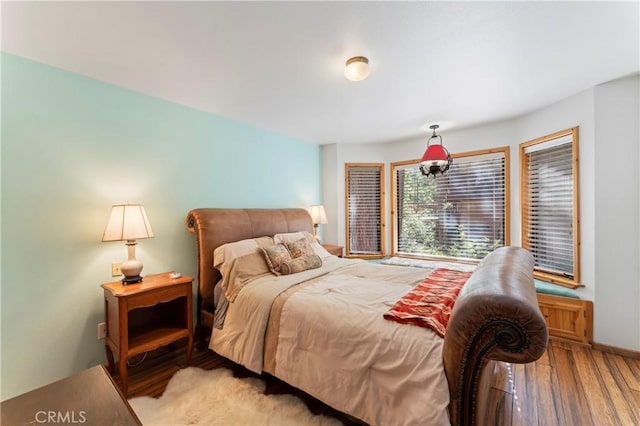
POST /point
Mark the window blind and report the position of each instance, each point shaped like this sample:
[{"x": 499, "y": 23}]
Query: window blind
[
  {"x": 548, "y": 210},
  {"x": 364, "y": 209},
  {"x": 460, "y": 215}
]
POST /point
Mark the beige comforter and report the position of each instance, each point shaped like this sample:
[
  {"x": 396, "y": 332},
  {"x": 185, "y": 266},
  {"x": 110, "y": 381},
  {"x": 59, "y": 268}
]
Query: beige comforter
[{"x": 334, "y": 344}]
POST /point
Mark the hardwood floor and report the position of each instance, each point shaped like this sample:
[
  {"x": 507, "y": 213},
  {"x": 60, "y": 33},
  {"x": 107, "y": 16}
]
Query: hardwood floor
[
  {"x": 149, "y": 377},
  {"x": 568, "y": 385},
  {"x": 576, "y": 385}
]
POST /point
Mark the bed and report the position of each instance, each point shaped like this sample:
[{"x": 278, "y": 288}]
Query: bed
[{"x": 411, "y": 375}]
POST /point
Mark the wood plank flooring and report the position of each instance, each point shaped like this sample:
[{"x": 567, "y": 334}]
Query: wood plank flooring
[
  {"x": 576, "y": 385},
  {"x": 569, "y": 385}
]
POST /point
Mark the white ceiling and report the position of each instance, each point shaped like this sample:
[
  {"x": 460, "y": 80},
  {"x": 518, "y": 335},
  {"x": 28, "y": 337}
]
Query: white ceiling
[{"x": 279, "y": 65}]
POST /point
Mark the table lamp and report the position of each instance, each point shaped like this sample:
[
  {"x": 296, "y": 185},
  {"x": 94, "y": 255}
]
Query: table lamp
[
  {"x": 318, "y": 216},
  {"x": 128, "y": 222}
]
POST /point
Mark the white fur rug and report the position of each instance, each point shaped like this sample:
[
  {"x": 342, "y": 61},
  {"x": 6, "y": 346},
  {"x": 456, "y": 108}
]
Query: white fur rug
[{"x": 214, "y": 397}]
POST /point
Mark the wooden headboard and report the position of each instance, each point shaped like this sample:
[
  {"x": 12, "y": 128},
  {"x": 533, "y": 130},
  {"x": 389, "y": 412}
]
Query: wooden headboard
[{"x": 214, "y": 227}]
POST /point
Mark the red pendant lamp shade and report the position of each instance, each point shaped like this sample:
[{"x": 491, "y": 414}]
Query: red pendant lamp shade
[
  {"x": 436, "y": 159},
  {"x": 435, "y": 154}
]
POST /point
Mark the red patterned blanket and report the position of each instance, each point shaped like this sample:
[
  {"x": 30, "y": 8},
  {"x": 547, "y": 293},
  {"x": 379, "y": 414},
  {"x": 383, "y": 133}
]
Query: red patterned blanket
[{"x": 430, "y": 302}]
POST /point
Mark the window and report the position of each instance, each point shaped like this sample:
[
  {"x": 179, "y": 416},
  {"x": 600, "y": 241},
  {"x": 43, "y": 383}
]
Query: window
[
  {"x": 549, "y": 200},
  {"x": 364, "y": 195},
  {"x": 461, "y": 215}
]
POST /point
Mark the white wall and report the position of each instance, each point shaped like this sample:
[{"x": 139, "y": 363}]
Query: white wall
[
  {"x": 617, "y": 211},
  {"x": 576, "y": 110},
  {"x": 335, "y": 156},
  {"x": 330, "y": 196},
  {"x": 590, "y": 110}
]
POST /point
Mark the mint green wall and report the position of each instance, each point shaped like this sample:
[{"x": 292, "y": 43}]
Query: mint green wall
[{"x": 72, "y": 147}]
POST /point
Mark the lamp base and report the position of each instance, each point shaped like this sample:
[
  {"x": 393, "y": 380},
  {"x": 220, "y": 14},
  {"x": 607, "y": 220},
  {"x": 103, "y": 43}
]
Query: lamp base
[
  {"x": 132, "y": 280},
  {"x": 315, "y": 232}
]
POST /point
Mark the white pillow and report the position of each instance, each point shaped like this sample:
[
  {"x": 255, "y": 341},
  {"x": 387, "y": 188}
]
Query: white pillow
[
  {"x": 295, "y": 236},
  {"x": 224, "y": 254}
]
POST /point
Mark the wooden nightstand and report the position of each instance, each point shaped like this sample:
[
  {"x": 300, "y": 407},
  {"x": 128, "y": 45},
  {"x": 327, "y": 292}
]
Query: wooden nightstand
[
  {"x": 333, "y": 249},
  {"x": 145, "y": 316}
]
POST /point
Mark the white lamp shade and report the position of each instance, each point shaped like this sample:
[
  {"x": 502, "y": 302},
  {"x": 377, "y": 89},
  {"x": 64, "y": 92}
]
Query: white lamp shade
[
  {"x": 318, "y": 214},
  {"x": 356, "y": 68},
  {"x": 127, "y": 222}
]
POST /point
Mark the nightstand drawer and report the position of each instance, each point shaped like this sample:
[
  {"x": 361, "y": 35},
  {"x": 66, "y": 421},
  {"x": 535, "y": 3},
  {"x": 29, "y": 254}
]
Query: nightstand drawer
[{"x": 153, "y": 297}]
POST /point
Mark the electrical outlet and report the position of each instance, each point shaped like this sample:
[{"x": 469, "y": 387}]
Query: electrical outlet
[
  {"x": 102, "y": 330},
  {"x": 115, "y": 269}
]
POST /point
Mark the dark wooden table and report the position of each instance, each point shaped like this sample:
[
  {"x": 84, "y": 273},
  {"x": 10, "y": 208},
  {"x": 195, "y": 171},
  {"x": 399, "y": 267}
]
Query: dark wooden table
[{"x": 90, "y": 397}]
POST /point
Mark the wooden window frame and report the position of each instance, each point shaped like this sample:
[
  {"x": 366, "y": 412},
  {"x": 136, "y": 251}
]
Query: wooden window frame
[
  {"x": 524, "y": 201},
  {"x": 348, "y": 253},
  {"x": 505, "y": 150}
]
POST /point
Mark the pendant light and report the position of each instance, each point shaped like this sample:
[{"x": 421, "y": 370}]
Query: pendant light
[{"x": 436, "y": 158}]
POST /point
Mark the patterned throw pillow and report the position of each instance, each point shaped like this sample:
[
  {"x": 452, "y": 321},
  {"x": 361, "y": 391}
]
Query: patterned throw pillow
[
  {"x": 299, "y": 248},
  {"x": 300, "y": 264},
  {"x": 275, "y": 256}
]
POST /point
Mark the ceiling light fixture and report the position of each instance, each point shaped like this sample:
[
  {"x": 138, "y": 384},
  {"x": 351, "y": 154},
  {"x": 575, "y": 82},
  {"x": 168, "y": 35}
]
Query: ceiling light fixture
[
  {"x": 436, "y": 158},
  {"x": 356, "y": 68}
]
